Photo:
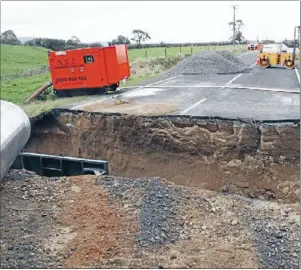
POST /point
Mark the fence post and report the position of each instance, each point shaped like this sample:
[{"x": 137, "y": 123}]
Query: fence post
[
  {"x": 191, "y": 49},
  {"x": 165, "y": 52},
  {"x": 145, "y": 53}
]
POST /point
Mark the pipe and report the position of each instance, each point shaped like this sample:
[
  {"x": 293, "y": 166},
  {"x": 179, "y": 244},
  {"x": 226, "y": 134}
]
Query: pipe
[
  {"x": 38, "y": 92},
  {"x": 15, "y": 132}
]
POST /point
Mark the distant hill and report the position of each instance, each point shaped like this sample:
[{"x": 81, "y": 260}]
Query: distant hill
[{"x": 24, "y": 39}]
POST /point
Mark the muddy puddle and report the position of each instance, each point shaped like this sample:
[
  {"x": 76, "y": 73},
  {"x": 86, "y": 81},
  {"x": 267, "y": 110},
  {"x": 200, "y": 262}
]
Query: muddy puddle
[{"x": 256, "y": 159}]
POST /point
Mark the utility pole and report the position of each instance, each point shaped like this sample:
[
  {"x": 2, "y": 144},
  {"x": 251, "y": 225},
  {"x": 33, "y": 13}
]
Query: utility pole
[{"x": 234, "y": 22}]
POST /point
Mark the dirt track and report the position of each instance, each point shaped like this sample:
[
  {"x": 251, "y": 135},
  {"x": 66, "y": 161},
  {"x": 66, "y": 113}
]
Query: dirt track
[{"x": 114, "y": 222}]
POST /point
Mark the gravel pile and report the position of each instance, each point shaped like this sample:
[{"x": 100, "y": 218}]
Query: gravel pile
[
  {"x": 157, "y": 204},
  {"x": 202, "y": 63},
  {"x": 277, "y": 245}
]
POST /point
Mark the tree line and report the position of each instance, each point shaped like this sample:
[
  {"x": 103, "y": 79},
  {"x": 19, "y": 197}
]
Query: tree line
[
  {"x": 9, "y": 37},
  {"x": 139, "y": 40}
]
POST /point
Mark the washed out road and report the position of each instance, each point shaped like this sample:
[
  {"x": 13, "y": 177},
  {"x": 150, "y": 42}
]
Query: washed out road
[{"x": 262, "y": 94}]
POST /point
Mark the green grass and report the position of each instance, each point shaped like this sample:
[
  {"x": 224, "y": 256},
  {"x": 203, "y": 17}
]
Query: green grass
[
  {"x": 38, "y": 107},
  {"x": 135, "y": 54},
  {"x": 18, "y": 90},
  {"x": 19, "y": 59}
]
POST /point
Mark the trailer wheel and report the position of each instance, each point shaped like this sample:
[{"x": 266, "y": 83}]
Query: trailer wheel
[{"x": 114, "y": 87}]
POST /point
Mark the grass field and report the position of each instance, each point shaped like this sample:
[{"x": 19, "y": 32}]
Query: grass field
[
  {"x": 19, "y": 59},
  {"x": 17, "y": 63},
  {"x": 135, "y": 54}
]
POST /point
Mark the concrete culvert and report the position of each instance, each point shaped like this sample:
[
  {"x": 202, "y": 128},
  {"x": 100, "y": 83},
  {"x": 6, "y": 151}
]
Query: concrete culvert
[{"x": 255, "y": 159}]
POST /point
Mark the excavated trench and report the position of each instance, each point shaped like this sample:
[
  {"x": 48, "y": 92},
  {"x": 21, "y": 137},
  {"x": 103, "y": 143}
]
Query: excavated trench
[{"x": 256, "y": 159}]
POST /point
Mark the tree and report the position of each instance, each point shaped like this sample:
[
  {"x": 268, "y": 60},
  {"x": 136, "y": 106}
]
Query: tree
[
  {"x": 120, "y": 40},
  {"x": 238, "y": 33},
  {"x": 139, "y": 36},
  {"x": 9, "y": 37},
  {"x": 50, "y": 43},
  {"x": 73, "y": 42}
]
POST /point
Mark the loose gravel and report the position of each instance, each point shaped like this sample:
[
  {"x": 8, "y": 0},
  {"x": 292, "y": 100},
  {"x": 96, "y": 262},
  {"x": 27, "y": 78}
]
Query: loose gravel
[
  {"x": 203, "y": 63},
  {"x": 157, "y": 203},
  {"x": 277, "y": 244},
  {"x": 173, "y": 226}
]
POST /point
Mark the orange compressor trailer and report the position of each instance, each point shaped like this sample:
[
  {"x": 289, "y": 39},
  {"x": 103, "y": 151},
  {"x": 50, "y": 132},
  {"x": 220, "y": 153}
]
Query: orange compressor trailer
[{"x": 88, "y": 70}]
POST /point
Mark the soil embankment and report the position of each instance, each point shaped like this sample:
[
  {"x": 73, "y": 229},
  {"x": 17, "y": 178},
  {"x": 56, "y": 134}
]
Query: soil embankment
[{"x": 252, "y": 158}]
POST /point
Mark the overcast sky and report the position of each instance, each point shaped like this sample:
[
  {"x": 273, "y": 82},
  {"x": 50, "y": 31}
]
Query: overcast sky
[{"x": 167, "y": 21}]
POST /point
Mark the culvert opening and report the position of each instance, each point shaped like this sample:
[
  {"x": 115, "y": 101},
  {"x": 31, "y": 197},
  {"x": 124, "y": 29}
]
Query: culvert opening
[{"x": 256, "y": 159}]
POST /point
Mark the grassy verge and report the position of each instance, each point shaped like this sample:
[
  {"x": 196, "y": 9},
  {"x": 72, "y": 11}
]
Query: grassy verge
[
  {"x": 38, "y": 107},
  {"x": 18, "y": 90}
]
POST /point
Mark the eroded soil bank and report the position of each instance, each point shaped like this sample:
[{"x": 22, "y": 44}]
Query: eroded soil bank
[{"x": 257, "y": 159}]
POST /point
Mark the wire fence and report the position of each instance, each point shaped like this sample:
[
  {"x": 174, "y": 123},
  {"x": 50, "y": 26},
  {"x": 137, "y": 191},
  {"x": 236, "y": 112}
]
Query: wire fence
[{"x": 166, "y": 52}]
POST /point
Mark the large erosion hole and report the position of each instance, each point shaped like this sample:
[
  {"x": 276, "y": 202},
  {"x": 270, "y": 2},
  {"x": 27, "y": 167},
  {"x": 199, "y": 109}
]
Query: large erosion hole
[{"x": 256, "y": 159}]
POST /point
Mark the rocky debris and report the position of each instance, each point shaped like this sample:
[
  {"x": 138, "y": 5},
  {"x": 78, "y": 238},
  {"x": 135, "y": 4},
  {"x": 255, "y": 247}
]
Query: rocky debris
[
  {"x": 27, "y": 219},
  {"x": 163, "y": 210},
  {"x": 157, "y": 205},
  {"x": 18, "y": 175},
  {"x": 204, "y": 62},
  {"x": 276, "y": 245},
  {"x": 174, "y": 226},
  {"x": 276, "y": 234}
]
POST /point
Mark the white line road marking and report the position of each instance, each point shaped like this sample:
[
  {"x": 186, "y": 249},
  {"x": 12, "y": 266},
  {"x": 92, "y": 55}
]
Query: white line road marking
[
  {"x": 139, "y": 87},
  {"x": 298, "y": 75},
  {"x": 237, "y": 76},
  {"x": 227, "y": 85},
  {"x": 194, "y": 105},
  {"x": 230, "y": 86}
]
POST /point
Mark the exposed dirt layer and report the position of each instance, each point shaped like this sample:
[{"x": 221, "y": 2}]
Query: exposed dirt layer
[
  {"x": 111, "y": 222},
  {"x": 257, "y": 159}
]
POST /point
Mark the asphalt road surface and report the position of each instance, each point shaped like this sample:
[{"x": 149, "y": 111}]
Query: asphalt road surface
[{"x": 263, "y": 94}]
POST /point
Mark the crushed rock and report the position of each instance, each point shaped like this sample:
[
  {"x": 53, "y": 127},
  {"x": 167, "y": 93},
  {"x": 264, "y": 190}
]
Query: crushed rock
[
  {"x": 204, "y": 62},
  {"x": 114, "y": 222}
]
